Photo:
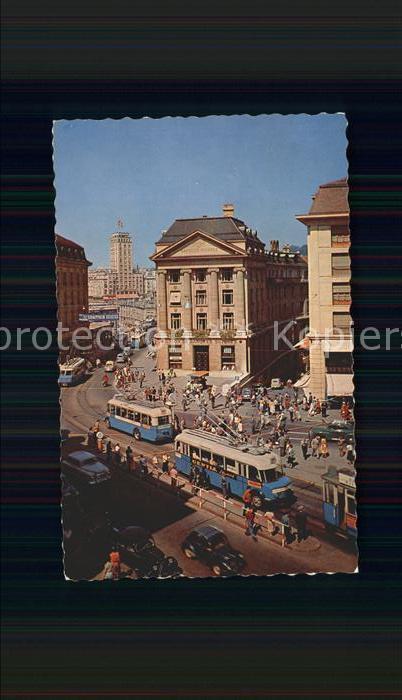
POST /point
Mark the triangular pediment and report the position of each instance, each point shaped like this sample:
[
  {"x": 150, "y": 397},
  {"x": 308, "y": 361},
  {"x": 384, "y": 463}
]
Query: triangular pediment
[{"x": 198, "y": 244}]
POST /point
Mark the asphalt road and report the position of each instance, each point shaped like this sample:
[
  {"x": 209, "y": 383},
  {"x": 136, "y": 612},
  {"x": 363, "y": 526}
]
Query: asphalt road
[{"x": 169, "y": 517}]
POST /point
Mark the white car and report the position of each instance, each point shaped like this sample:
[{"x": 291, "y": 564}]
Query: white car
[{"x": 110, "y": 366}]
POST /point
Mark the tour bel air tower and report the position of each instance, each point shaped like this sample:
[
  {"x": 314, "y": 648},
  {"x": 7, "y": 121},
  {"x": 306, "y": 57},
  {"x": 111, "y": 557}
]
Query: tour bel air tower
[{"x": 218, "y": 294}]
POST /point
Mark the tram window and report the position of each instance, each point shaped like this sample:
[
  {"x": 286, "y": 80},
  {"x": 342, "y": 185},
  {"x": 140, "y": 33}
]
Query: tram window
[
  {"x": 112, "y": 410},
  {"x": 137, "y": 416},
  {"x": 253, "y": 473},
  {"x": 179, "y": 447},
  {"x": 130, "y": 415},
  {"x": 205, "y": 456},
  {"x": 242, "y": 469},
  {"x": 219, "y": 462},
  {"x": 163, "y": 420},
  {"x": 195, "y": 453},
  {"x": 230, "y": 465},
  {"x": 268, "y": 475},
  {"x": 117, "y": 410},
  {"x": 351, "y": 503},
  {"x": 330, "y": 494},
  {"x": 123, "y": 413},
  {"x": 145, "y": 420}
]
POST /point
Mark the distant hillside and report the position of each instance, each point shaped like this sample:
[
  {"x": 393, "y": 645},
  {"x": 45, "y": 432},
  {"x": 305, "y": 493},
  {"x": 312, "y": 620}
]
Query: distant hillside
[{"x": 301, "y": 248}]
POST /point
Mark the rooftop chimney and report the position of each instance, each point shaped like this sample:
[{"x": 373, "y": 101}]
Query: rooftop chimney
[{"x": 228, "y": 210}]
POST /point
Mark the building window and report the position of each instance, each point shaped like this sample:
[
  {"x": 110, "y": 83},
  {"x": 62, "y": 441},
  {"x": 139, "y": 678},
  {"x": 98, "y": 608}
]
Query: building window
[
  {"x": 175, "y": 298},
  {"x": 228, "y": 357},
  {"x": 174, "y": 276},
  {"x": 200, "y": 297},
  {"x": 228, "y": 322},
  {"x": 175, "y": 356},
  {"x": 227, "y": 274},
  {"x": 342, "y": 322},
  {"x": 227, "y": 297},
  {"x": 201, "y": 322},
  {"x": 341, "y": 294},
  {"x": 341, "y": 265},
  {"x": 339, "y": 363},
  {"x": 200, "y": 276},
  {"x": 175, "y": 322}
]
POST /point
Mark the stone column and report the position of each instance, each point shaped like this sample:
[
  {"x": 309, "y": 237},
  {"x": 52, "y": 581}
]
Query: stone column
[
  {"x": 213, "y": 301},
  {"x": 240, "y": 302},
  {"x": 162, "y": 301},
  {"x": 187, "y": 306}
]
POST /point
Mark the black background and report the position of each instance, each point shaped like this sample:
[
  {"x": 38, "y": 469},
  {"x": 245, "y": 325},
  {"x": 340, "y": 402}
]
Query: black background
[{"x": 303, "y": 636}]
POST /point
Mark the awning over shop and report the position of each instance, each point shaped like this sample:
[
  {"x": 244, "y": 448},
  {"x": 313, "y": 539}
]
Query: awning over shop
[
  {"x": 302, "y": 382},
  {"x": 303, "y": 344},
  {"x": 340, "y": 384}
]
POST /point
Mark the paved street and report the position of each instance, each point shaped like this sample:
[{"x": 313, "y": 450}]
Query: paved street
[
  {"x": 170, "y": 518},
  {"x": 83, "y": 404}
]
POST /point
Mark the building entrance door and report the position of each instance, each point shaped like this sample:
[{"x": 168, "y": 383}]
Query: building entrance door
[{"x": 201, "y": 358}]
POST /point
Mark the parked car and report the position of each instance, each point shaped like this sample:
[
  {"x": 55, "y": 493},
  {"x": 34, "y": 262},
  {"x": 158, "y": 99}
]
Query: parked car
[
  {"x": 335, "y": 430},
  {"x": 337, "y": 401},
  {"x": 83, "y": 469},
  {"x": 199, "y": 380},
  {"x": 246, "y": 393},
  {"x": 211, "y": 546},
  {"x": 138, "y": 550},
  {"x": 276, "y": 384},
  {"x": 110, "y": 366}
]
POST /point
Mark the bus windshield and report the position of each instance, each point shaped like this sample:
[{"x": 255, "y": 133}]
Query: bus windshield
[{"x": 269, "y": 475}]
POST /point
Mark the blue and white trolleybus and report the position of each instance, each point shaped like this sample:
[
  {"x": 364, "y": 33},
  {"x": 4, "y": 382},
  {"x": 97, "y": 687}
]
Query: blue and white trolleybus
[
  {"x": 141, "y": 419},
  {"x": 244, "y": 467},
  {"x": 72, "y": 372}
]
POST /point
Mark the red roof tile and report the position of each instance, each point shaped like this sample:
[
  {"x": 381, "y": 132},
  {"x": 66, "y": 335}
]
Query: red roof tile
[{"x": 331, "y": 198}]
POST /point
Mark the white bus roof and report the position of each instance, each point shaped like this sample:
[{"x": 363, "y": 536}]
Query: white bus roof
[
  {"x": 223, "y": 447},
  {"x": 154, "y": 409},
  {"x": 72, "y": 364}
]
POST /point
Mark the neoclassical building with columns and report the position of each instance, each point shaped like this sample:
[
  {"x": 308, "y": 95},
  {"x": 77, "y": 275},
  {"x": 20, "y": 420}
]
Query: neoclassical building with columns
[{"x": 218, "y": 294}]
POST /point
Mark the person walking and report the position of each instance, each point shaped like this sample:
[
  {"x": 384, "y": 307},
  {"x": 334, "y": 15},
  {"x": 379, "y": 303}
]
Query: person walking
[
  {"x": 117, "y": 455},
  {"x": 272, "y": 527},
  {"x": 155, "y": 463},
  {"x": 114, "y": 558},
  {"x": 350, "y": 453},
  {"x": 301, "y": 523},
  {"x": 143, "y": 467},
  {"x": 173, "y": 478},
  {"x": 109, "y": 452},
  {"x": 324, "y": 409},
  {"x": 291, "y": 457},
  {"x": 129, "y": 458},
  {"x": 304, "y": 448},
  {"x": 314, "y": 446},
  {"x": 224, "y": 487},
  {"x": 342, "y": 447},
  {"x": 286, "y": 528},
  {"x": 165, "y": 463},
  {"x": 282, "y": 446},
  {"x": 323, "y": 449},
  {"x": 250, "y": 523}
]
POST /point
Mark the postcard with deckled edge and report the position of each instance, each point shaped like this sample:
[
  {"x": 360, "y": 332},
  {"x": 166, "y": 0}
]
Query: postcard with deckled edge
[{"x": 205, "y": 347}]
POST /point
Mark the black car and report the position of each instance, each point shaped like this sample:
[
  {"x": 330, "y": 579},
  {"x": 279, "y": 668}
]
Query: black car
[
  {"x": 83, "y": 469},
  {"x": 211, "y": 546},
  {"x": 246, "y": 393},
  {"x": 138, "y": 550},
  {"x": 337, "y": 401}
]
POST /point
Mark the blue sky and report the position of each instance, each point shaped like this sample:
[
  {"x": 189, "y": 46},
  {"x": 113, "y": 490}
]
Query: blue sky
[{"x": 149, "y": 172}]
